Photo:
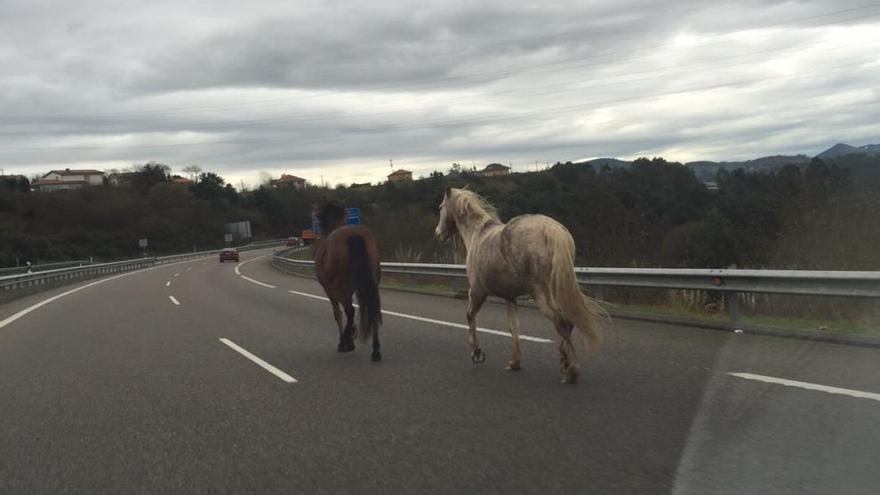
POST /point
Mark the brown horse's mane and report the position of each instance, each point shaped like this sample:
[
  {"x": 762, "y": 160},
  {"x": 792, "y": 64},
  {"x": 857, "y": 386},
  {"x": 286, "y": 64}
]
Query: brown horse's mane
[{"x": 331, "y": 214}]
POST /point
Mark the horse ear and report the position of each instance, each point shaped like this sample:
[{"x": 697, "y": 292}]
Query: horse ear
[
  {"x": 448, "y": 191},
  {"x": 466, "y": 187}
]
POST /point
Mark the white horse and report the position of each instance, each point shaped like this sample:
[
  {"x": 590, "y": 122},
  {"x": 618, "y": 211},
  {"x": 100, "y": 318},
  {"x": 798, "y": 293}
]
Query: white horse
[{"x": 531, "y": 254}]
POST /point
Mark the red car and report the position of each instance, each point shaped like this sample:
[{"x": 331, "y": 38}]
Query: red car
[
  {"x": 292, "y": 242},
  {"x": 228, "y": 254}
]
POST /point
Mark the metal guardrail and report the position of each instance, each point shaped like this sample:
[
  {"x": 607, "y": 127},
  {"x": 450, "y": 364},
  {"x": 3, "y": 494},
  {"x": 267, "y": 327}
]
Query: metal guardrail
[
  {"x": 793, "y": 282},
  {"x": 36, "y": 281},
  {"x": 12, "y": 270}
]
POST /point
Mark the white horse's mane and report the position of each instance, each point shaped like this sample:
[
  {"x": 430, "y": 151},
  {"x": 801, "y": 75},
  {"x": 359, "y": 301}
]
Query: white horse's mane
[{"x": 471, "y": 201}]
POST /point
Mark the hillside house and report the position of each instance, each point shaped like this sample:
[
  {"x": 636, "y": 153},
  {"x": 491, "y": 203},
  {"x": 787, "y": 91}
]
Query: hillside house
[
  {"x": 400, "y": 175},
  {"x": 288, "y": 180},
  {"x": 58, "y": 180},
  {"x": 494, "y": 170},
  {"x": 117, "y": 179}
]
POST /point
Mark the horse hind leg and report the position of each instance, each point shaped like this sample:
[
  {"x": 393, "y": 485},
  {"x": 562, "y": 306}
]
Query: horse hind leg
[
  {"x": 337, "y": 315},
  {"x": 569, "y": 366},
  {"x": 515, "y": 362},
  {"x": 346, "y": 337},
  {"x": 376, "y": 356}
]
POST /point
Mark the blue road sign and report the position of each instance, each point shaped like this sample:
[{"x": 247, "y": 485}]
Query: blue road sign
[{"x": 352, "y": 216}]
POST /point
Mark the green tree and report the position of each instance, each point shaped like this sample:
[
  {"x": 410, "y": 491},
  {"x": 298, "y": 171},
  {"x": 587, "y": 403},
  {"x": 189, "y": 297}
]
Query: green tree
[{"x": 210, "y": 186}]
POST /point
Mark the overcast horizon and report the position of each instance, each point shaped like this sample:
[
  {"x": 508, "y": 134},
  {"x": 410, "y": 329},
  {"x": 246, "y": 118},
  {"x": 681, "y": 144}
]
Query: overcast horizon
[{"x": 333, "y": 90}]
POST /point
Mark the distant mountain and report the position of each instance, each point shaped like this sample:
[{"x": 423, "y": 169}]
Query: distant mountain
[
  {"x": 706, "y": 170},
  {"x": 598, "y": 163},
  {"x": 758, "y": 163},
  {"x": 837, "y": 150},
  {"x": 841, "y": 149},
  {"x": 859, "y": 159}
]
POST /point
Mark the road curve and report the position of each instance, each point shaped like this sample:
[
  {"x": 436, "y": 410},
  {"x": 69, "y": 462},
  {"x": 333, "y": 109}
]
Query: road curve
[{"x": 172, "y": 380}]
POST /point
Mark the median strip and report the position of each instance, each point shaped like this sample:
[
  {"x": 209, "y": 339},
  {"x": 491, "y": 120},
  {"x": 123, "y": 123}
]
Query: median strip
[{"x": 266, "y": 366}]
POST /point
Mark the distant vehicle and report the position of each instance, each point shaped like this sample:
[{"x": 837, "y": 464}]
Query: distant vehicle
[
  {"x": 292, "y": 242},
  {"x": 228, "y": 254}
]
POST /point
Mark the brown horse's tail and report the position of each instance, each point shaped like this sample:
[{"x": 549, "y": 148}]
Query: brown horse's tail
[
  {"x": 366, "y": 287},
  {"x": 566, "y": 296}
]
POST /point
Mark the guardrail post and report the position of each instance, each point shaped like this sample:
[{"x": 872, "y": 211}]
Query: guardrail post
[
  {"x": 599, "y": 293},
  {"x": 733, "y": 305}
]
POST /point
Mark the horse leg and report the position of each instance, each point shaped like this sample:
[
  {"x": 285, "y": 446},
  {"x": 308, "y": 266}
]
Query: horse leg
[
  {"x": 376, "y": 355},
  {"x": 513, "y": 326},
  {"x": 346, "y": 340},
  {"x": 337, "y": 315},
  {"x": 569, "y": 367},
  {"x": 475, "y": 302}
]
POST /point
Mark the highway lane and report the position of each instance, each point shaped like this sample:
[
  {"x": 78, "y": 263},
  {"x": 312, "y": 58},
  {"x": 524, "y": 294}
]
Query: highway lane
[{"x": 116, "y": 388}]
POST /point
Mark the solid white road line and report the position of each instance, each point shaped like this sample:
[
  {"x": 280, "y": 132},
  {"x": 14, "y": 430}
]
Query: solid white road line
[
  {"x": 306, "y": 294},
  {"x": 257, "y": 282},
  {"x": 438, "y": 322},
  {"x": 175, "y": 301},
  {"x": 809, "y": 386},
  {"x": 459, "y": 325},
  {"x": 44, "y": 302},
  {"x": 237, "y": 272},
  {"x": 266, "y": 366}
]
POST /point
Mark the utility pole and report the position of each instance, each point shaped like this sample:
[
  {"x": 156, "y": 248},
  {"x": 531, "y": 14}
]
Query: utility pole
[{"x": 391, "y": 164}]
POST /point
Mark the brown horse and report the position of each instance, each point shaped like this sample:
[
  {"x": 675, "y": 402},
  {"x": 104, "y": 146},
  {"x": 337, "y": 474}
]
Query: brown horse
[
  {"x": 530, "y": 254},
  {"x": 347, "y": 263}
]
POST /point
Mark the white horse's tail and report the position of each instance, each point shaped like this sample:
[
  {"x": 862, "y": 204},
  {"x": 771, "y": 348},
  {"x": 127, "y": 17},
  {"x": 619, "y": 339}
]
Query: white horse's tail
[{"x": 566, "y": 296}]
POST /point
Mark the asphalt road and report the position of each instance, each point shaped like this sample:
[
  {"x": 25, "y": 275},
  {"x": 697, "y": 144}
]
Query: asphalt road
[{"x": 117, "y": 388}]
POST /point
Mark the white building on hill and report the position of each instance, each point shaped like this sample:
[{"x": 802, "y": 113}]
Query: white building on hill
[{"x": 58, "y": 180}]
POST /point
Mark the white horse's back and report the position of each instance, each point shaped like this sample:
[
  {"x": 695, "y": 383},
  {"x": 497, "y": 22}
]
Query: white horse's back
[{"x": 529, "y": 242}]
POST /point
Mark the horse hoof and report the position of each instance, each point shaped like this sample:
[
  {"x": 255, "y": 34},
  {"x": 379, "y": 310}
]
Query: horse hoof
[
  {"x": 511, "y": 366},
  {"x": 376, "y": 356},
  {"x": 478, "y": 356},
  {"x": 345, "y": 347},
  {"x": 570, "y": 378}
]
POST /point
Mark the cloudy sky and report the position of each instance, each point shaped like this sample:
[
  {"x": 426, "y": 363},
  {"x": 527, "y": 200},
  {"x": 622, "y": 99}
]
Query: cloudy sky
[{"x": 331, "y": 90}]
